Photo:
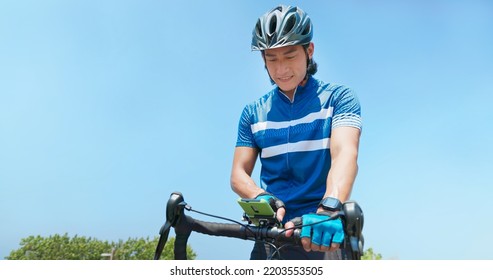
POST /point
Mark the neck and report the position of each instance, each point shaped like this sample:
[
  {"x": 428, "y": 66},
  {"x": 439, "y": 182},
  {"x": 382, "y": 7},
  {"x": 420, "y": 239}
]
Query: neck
[{"x": 291, "y": 93}]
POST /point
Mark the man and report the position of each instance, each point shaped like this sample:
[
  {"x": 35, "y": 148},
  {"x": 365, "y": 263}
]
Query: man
[{"x": 306, "y": 133}]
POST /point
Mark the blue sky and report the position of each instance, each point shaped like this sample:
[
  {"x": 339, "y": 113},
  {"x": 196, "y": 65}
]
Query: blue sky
[{"x": 106, "y": 107}]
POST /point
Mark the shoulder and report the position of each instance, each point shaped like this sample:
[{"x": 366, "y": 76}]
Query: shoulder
[
  {"x": 261, "y": 103},
  {"x": 333, "y": 92},
  {"x": 335, "y": 89}
]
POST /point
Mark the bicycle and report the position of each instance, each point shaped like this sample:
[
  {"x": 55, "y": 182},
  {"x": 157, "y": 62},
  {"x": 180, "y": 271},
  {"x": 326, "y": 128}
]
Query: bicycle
[{"x": 351, "y": 215}]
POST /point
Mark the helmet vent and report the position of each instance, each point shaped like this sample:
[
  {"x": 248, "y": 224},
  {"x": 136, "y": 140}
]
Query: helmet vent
[
  {"x": 289, "y": 24},
  {"x": 306, "y": 30},
  {"x": 258, "y": 29},
  {"x": 272, "y": 25}
]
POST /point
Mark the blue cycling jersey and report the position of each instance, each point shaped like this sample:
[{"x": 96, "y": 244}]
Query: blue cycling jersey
[{"x": 293, "y": 140}]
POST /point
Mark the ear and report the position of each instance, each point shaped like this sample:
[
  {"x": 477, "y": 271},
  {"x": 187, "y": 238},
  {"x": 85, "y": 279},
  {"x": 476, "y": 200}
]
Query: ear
[{"x": 310, "y": 50}]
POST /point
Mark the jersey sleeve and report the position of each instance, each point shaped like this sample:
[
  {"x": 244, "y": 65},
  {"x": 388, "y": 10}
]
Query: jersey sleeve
[
  {"x": 347, "y": 110},
  {"x": 245, "y": 135}
]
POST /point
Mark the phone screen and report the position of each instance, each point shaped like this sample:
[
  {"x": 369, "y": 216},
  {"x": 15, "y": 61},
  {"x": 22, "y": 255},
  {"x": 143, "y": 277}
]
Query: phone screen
[{"x": 258, "y": 210}]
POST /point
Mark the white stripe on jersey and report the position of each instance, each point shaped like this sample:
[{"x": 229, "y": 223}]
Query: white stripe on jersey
[
  {"x": 301, "y": 146},
  {"x": 320, "y": 115}
]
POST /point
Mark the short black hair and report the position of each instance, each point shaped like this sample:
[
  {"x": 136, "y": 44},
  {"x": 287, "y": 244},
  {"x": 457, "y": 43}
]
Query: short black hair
[{"x": 311, "y": 65}]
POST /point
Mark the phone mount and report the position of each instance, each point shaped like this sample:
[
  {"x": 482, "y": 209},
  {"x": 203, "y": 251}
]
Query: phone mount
[{"x": 262, "y": 221}]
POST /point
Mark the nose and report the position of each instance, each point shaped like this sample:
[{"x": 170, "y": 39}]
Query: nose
[{"x": 281, "y": 67}]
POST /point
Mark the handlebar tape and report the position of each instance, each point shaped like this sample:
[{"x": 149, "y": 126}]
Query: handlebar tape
[{"x": 187, "y": 224}]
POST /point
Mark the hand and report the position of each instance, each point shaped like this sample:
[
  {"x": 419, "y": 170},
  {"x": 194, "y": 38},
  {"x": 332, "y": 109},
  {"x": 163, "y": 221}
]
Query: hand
[
  {"x": 276, "y": 204},
  {"x": 321, "y": 234}
]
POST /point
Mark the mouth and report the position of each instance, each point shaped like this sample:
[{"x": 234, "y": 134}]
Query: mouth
[{"x": 285, "y": 78}]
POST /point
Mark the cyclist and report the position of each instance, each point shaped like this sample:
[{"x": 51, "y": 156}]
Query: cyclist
[{"x": 306, "y": 133}]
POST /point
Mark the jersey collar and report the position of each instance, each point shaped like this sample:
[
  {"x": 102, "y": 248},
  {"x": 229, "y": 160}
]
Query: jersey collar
[{"x": 300, "y": 93}]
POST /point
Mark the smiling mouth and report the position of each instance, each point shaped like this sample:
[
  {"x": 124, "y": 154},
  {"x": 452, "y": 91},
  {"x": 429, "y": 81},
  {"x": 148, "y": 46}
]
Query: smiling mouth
[{"x": 284, "y": 79}]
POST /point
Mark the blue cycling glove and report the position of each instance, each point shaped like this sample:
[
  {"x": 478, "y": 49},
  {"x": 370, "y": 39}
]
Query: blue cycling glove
[
  {"x": 321, "y": 230},
  {"x": 274, "y": 202}
]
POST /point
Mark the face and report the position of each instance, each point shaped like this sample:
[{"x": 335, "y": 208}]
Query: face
[{"x": 287, "y": 66}]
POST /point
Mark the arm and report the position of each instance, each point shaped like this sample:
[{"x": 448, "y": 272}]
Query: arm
[
  {"x": 241, "y": 181},
  {"x": 344, "y": 143}
]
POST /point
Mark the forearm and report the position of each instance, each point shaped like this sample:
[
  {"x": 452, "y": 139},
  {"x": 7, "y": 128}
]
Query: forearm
[
  {"x": 342, "y": 175},
  {"x": 243, "y": 185},
  {"x": 241, "y": 180}
]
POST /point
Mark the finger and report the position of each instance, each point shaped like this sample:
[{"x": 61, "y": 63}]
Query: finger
[
  {"x": 280, "y": 214},
  {"x": 321, "y": 242},
  {"x": 306, "y": 232},
  {"x": 315, "y": 247},
  {"x": 306, "y": 243},
  {"x": 317, "y": 240},
  {"x": 338, "y": 236},
  {"x": 324, "y": 248},
  {"x": 334, "y": 247},
  {"x": 326, "y": 242},
  {"x": 289, "y": 232}
]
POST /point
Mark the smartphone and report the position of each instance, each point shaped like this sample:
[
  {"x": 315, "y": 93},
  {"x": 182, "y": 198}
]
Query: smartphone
[{"x": 258, "y": 212}]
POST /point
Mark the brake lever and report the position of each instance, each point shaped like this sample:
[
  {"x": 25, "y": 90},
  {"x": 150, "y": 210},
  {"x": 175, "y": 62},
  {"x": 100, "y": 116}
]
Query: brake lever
[{"x": 353, "y": 226}]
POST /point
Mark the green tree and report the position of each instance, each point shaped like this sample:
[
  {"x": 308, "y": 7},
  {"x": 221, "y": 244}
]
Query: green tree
[
  {"x": 63, "y": 247},
  {"x": 370, "y": 255},
  {"x": 144, "y": 249}
]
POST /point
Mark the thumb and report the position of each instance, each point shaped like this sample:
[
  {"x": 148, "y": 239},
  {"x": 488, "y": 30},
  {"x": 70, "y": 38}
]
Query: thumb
[
  {"x": 289, "y": 228},
  {"x": 280, "y": 214}
]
